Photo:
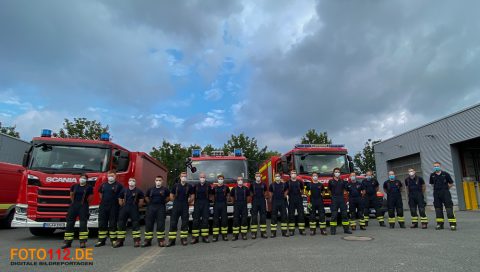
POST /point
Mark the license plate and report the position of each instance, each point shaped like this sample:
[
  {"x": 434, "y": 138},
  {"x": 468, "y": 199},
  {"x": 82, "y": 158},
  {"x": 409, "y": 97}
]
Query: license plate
[{"x": 54, "y": 225}]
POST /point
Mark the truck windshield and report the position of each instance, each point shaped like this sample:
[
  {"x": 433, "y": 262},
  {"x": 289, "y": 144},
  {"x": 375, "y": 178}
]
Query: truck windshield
[
  {"x": 323, "y": 164},
  {"x": 67, "y": 159},
  {"x": 231, "y": 169}
]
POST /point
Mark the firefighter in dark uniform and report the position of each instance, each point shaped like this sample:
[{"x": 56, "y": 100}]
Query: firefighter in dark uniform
[
  {"x": 416, "y": 200},
  {"x": 278, "y": 195},
  {"x": 371, "y": 200},
  {"x": 442, "y": 182},
  {"x": 220, "y": 193},
  {"x": 295, "y": 203},
  {"x": 258, "y": 191},
  {"x": 130, "y": 200},
  {"x": 337, "y": 188},
  {"x": 80, "y": 195},
  {"x": 393, "y": 189},
  {"x": 240, "y": 195},
  {"x": 356, "y": 193},
  {"x": 108, "y": 210},
  {"x": 201, "y": 210},
  {"x": 180, "y": 194},
  {"x": 315, "y": 190},
  {"x": 156, "y": 198}
]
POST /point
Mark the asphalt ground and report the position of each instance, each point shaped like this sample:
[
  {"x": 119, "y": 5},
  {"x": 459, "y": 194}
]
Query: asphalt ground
[{"x": 389, "y": 250}]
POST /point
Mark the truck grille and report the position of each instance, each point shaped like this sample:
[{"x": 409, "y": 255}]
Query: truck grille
[{"x": 53, "y": 200}]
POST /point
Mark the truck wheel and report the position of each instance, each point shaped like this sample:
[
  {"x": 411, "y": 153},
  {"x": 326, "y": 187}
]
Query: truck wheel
[
  {"x": 7, "y": 222},
  {"x": 42, "y": 231}
]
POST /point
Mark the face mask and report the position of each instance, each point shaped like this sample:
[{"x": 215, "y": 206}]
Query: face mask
[
  {"x": 111, "y": 179},
  {"x": 411, "y": 174},
  {"x": 240, "y": 183},
  {"x": 131, "y": 183},
  {"x": 220, "y": 181},
  {"x": 391, "y": 177},
  {"x": 353, "y": 178},
  {"x": 202, "y": 180},
  {"x": 83, "y": 181},
  {"x": 293, "y": 176},
  {"x": 183, "y": 179},
  {"x": 158, "y": 183},
  {"x": 369, "y": 177},
  {"x": 336, "y": 174},
  {"x": 277, "y": 179},
  {"x": 437, "y": 169},
  {"x": 257, "y": 179},
  {"x": 315, "y": 179}
]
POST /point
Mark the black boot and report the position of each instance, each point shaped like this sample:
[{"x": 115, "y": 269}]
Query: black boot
[
  {"x": 284, "y": 233},
  {"x": 347, "y": 230},
  {"x": 235, "y": 237},
  {"x": 424, "y": 225},
  {"x": 453, "y": 227},
  {"x": 118, "y": 243},
  {"x": 439, "y": 226},
  {"x": 100, "y": 243},
  {"x": 323, "y": 231},
  {"x": 273, "y": 234},
  {"x": 313, "y": 232},
  {"x": 184, "y": 241},
  {"x": 67, "y": 244},
  {"x": 161, "y": 242},
  {"x": 292, "y": 233},
  {"x": 171, "y": 242},
  {"x": 363, "y": 228},
  {"x": 136, "y": 242},
  {"x": 333, "y": 230},
  {"x": 414, "y": 226},
  {"x": 244, "y": 236},
  {"x": 366, "y": 223},
  {"x": 194, "y": 240},
  {"x": 302, "y": 232},
  {"x": 83, "y": 244},
  {"x": 402, "y": 225},
  {"x": 224, "y": 237},
  {"x": 215, "y": 238},
  {"x": 254, "y": 235},
  {"x": 205, "y": 239},
  {"x": 264, "y": 235},
  {"x": 147, "y": 243},
  {"x": 392, "y": 225},
  {"x": 382, "y": 224}
]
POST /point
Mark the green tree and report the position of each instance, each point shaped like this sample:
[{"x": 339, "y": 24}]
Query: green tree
[
  {"x": 208, "y": 149},
  {"x": 82, "y": 128},
  {"x": 251, "y": 151},
  {"x": 365, "y": 160},
  {"x": 11, "y": 131},
  {"x": 314, "y": 137}
]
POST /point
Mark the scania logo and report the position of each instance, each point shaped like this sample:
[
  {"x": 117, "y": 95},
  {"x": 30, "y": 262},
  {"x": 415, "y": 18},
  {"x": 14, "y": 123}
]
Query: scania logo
[{"x": 66, "y": 180}]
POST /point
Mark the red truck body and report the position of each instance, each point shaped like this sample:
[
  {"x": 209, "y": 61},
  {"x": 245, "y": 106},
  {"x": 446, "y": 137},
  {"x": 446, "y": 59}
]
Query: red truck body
[
  {"x": 53, "y": 165},
  {"x": 305, "y": 159},
  {"x": 10, "y": 177}
]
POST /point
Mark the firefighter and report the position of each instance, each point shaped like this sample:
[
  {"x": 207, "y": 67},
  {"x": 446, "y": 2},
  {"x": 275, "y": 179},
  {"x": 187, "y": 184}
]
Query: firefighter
[
  {"x": 156, "y": 198},
  {"x": 130, "y": 200},
  {"x": 278, "y": 195},
  {"x": 442, "y": 182},
  {"x": 393, "y": 188},
  {"x": 295, "y": 203},
  {"x": 258, "y": 191},
  {"x": 356, "y": 193},
  {"x": 315, "y": 190},
  {"x": 201, "y": 210},
  {"x": 109, "y": 193},
  {"x": 80, "y": 196},
  {"x": 220, "y": 194},
  {"x": 416, "y": 190},
  {"x": 371, "y": 201},
  {"x": 240, "y": 195},
  {"x": 181, "y": 196},
  {"x": 337, "y": 188}
]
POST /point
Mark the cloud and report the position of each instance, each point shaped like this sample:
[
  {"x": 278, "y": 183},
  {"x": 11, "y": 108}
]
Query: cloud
[
  {"x": 212, "y": 119},
  {"x": 213, "y": 94}
]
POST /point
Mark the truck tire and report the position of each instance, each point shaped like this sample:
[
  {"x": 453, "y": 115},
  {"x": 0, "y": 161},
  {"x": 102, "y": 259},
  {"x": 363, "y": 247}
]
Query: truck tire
[
  {"x": 7, "y": 222},
  {"x": 42, "y": 231}
]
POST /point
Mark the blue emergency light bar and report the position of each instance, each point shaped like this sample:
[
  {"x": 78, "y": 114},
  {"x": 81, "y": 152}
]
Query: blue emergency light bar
[
  {"x": 46, "y": 133},
  {"x": 196, "y": 152},
  {"x": 105, "y": 136},
  {"x": 237, "y": 152},
  {"x": 318, "y": 145}
]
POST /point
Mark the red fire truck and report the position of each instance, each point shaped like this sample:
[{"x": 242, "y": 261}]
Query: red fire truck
[
  {"x": 306, "y": 159},
  {"x": 54, "y": 164},
  {"x": 10, "y": 176},
  {"x": 231, "y": 166}
]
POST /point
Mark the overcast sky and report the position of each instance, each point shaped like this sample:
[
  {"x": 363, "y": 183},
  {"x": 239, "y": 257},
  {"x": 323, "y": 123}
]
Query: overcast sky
[{"x": 197, "y": 71}]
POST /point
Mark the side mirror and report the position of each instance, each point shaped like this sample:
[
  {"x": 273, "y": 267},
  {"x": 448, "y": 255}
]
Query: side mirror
[
  {"x": 349, "y": 158},
  {"x": 26, "y": 158},
  {"x": 284, "y": 165},
  {"x": 122, "y": 160},
  {"x": 193, "y": 169},
  {"x": 351, "y": 166}
]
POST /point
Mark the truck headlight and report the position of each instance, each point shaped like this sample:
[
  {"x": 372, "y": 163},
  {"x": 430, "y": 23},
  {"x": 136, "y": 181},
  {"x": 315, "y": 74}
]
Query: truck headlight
[
  {"x": 21, "y": 210},
  {"x": 33, "y": 180},
  {"x": 93, "y": 211}
]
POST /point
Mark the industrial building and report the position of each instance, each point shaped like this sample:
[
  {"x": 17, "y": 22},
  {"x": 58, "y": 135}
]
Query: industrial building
[{"x": 454, "y": 141}]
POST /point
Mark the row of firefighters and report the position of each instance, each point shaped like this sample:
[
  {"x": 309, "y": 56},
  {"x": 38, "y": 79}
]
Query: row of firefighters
[{"x": 119, "y": 204}]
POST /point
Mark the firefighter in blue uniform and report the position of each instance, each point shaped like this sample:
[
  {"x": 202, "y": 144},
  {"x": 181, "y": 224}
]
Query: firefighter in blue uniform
[
  {"x": 442, "y": 182},
  {"x": 180, "y": 194},
  {"x": 295, "y": 203},
  {"x": 258, "y": 191},
  {"x": 337, "y": 188},
  {"x": 240, "y": 195},
  {"x": 131, "y": 200},
  {"x": 278, "y": 195},
  {"x": 156, "y": 198},
  {"x": 371, "y": 200},
  {"x": 220, "y": 196},
  {"x": 201, "y": 210},
  {"x": 108, "y": 210},
  {"x": 393, "y": 189},
  {"x": 315, "y": 190},
  {"x": 356, "y": 193},
  {"x": 80, "y": 196},
  {"x": 416, "y": 200}
]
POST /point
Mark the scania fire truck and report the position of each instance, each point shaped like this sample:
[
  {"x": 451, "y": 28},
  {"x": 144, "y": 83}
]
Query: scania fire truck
[{"x": 53, "y": 164}]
